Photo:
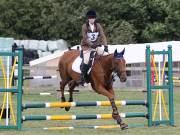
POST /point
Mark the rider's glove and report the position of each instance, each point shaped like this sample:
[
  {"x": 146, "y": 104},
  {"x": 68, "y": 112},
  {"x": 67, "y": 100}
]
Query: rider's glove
[{"x": 93, "y": 46}]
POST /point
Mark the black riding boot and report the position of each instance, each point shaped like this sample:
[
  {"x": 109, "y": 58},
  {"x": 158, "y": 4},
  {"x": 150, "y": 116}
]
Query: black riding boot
[{"x": 84, "y": 69}]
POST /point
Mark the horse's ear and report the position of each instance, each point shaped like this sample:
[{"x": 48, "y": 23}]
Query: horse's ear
[
  {"x": 122, "y": 52},
  {"x": 115, "y": 52}
]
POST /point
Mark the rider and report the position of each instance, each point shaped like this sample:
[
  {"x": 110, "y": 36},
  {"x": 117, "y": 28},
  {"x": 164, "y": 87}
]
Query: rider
[{"x": 93, "y": 39}]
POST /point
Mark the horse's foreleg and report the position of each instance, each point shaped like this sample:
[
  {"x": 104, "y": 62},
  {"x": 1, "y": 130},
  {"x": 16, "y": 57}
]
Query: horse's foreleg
[{"x": 115, "y": 113}]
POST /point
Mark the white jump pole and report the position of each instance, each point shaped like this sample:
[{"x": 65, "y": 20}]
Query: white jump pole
[
  {"x": 159, "y": 92},
  {"x": 7, "y": 98}
]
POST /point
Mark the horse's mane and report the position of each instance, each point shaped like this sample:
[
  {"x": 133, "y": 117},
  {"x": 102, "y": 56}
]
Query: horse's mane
[
  {"x": 102, "y": 57},
  {"x": 107, "y": 55}
]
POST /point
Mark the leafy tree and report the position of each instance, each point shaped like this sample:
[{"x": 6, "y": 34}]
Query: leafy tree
[
  {"x": 121, "y": 32},
  {"x": 124, "y": 21},
  {"x": 155, "y": 32},
  {"x": 25, "y": 19},
  {"x": 173, "y": 20}
]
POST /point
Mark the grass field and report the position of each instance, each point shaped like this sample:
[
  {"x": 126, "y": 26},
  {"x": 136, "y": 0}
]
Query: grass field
[{"x": 35, "y": 127}]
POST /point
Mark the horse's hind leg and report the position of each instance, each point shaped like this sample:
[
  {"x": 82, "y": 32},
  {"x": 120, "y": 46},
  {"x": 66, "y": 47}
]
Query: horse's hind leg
[
  {"x": 72, "y": 84},
  {"x": 62, "y": 86}
]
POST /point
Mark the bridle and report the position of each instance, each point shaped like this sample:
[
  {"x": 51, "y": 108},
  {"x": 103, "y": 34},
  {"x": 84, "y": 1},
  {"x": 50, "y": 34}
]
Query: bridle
[{"x": 116, "y": 69}]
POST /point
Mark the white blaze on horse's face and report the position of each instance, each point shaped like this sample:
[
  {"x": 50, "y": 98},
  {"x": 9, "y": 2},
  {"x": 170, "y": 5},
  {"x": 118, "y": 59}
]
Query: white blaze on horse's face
[{"x": 120, "y": 65}]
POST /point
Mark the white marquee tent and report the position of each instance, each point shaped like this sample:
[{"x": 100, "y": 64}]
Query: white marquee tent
[{"x": 134, "y": 53}]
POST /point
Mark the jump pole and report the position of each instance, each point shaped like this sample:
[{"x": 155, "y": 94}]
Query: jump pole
[
  {"x": 80, "y": 117},
  {"x": 82, "y": 104}
]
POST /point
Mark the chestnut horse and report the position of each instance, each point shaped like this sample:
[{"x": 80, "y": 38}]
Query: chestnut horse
[{"x": 100, "y": 77}]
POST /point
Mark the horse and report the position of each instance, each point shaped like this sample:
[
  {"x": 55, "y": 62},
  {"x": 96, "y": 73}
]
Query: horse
[{"x": 100, "y": 77}]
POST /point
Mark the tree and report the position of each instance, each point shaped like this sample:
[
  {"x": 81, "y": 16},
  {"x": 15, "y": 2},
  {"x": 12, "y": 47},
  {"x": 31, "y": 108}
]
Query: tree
[
  {"x": 173, "y": 20},
  {"x": 121, "y": 33},
  {"x": 25, "y": 19},
  {"x": 124, "y": 21}
]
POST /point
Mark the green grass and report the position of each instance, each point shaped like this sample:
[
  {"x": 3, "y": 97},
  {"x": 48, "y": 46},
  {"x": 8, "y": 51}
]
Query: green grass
[{"x": 34, "y": 127}]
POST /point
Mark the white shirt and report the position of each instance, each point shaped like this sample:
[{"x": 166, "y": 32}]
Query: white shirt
[
  {"x": 92, "y": 36},
  {"x": 91, "y": 26}
]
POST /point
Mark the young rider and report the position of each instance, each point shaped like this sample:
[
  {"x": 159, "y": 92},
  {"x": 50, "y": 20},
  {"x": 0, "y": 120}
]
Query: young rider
[{"x": 93, "y": 39}]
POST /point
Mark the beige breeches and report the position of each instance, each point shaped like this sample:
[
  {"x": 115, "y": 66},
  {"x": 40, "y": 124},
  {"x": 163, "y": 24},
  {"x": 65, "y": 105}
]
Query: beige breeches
[{"x": 99, "y": 50}]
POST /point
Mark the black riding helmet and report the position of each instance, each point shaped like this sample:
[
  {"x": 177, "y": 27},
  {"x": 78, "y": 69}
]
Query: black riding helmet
[{"x": 91, "y": 14}]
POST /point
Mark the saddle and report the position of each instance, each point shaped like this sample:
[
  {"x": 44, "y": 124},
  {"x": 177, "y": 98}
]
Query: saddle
[{"x": 78, "y": 63}]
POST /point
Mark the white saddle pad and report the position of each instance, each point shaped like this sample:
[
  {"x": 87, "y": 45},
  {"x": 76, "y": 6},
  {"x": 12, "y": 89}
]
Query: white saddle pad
[{"x": 76, "y": 64}]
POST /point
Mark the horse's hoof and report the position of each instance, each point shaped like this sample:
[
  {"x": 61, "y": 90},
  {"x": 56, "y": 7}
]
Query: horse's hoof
[
  {"x": 67, "y": 108},
  {"x": 124, "y": 126},
  {"x": 63, "y": 99}
]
